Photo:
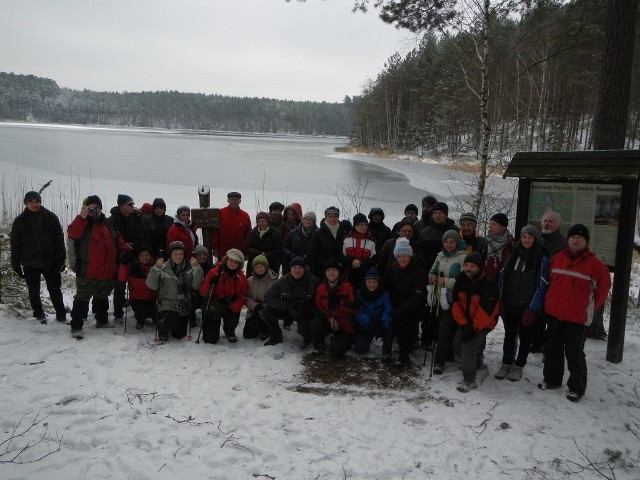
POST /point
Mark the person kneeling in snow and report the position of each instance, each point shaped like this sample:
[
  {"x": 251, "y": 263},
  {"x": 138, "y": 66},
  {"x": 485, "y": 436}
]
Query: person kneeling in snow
[
  {"x": 141, "y": 298},
  {"x": 224, "y": 291},
  {"x": 174, "y": 281},
  {"x": 336, "y": 308},
  {"x": 373, "y": 318},
  {"x": 474, "y": 309},
  {"x": 259, "y": 283}
]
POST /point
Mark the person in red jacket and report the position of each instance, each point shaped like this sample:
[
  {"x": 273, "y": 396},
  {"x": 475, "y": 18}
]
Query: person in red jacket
[
  {"x": 336, "y": 309},
  {"x": 94, "y": 247},
  {"x": 235, "y": 225},
  {"x": 474, "y": 309},
  {"x": 141, "y": 298},
  {"x": 224, "y": 291},
  {"x": 183, "y": 231},
  {"x": 579, "y": 284}
]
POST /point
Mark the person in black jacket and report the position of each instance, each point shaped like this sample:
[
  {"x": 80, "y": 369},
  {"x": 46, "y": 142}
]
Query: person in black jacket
[
  {"x": 291, "y": 298},
  {"x": 379, "y": 231},
  {"x": 326, "y": 242},
  {"x": 127, "y": 221},
  {"x": 265, "y": 240},
  {"x": 37, "y": 249},
  {"x": 405, "y": 281},
  {"x": 430, "y": 239},
  {"x": 156, "y": 226},
  {"x": 299, "y": 239}
]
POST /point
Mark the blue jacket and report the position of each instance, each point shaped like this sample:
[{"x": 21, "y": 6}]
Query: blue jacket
[{"x": 372, "y": 311}]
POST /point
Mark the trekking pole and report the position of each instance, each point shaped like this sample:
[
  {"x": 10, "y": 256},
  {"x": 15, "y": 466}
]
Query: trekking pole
[
  {"x": 204, "y": 314},
  {"x": 430, "y": 314},
  {"x": 158, "y": 299},
  {"x": 434, "y": 341},
  {"x": 126, "y": 310}
]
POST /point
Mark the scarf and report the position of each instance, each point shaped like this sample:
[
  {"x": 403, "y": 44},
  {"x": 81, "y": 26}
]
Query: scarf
[
  {"x": 333, "y": 229},
  {"x": 496, "y": 244},
  {"x": 262, "y": 232}
]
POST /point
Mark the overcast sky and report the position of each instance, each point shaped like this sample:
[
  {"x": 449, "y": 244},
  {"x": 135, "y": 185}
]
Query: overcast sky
[{"x": 315, "y": 50}]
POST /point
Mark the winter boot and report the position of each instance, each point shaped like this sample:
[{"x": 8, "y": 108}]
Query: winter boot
[
  {"x": 465, "y": 385},
  {"x": 504, "y": 370},
  {"x": 515, "y": 374}
]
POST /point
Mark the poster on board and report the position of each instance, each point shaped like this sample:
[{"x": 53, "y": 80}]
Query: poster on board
[{"x": 595, "y": 205}]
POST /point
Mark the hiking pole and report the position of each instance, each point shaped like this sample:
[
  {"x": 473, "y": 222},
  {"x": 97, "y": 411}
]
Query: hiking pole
[
  {"x": 204, "y": 314},
  {"x": 126, "y": 310},
  {"x": 160, "y": 253},
  {"x": 434, "y": 341},
  {"x": 430, "y": 302}
]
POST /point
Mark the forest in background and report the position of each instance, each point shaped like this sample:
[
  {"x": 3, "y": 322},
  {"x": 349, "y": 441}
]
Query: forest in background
[
  {"x": 543, "y": 74},
  {"x": 36, "y": 99}
]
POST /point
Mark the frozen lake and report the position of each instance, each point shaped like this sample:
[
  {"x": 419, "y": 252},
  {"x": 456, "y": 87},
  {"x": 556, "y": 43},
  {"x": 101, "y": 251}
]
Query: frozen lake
[{"x": 157, "y": 163}]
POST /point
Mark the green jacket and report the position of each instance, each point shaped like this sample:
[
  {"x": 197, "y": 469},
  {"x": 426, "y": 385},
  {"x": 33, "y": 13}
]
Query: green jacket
[{"x": 174, "y": 284}]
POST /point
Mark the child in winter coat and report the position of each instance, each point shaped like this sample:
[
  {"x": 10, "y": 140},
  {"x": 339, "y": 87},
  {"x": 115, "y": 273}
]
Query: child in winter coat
[
  {"x": 174, "y": 280},
  {"x": 259, "y": 283},
  {"x": 359, "y": 250},
  {"x": 224, "y": 291},
  {"x": 141, "y": 298},
  {"x": 474, "y": 308},
  {"x": 335, "y": 304},
  {"x": 373, "y": 318},
  {"x": 442, "y": 277},
  {"x": 183, "y": 231}
]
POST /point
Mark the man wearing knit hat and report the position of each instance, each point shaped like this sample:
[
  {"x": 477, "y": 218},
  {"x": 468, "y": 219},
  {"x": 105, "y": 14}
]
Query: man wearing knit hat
[
  {"x": 469, "y": 232},
  {"x": 427, "y": 204},
  {"x": 410, "y": 214},
  {"x": 297, "y": 242},
  {"x": 127, "y": 221},
  {"x": 93, "y": 249},
  {"x": 235, "y": 225},
  {"x": 276, "y": 218},
  {"x": 379, "y": 231},
  {"x": 579, "y": 285},
  {"x": 474, "y": 309},
  {"x": 291, "y": 298},
  {"x": 37, "y": 250},
  {"x": 263, "y": 239},
  {"x": 430, "y": 239},
  {"x": 156, "y": 226},
  {"x": 326, "y": 242},
  {"x": 499, "y": 245}
]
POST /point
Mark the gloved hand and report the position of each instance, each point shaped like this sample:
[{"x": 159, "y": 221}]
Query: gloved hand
[
  {"x": 468, "y": 333},
  {"x": 18, "y": 271},
  {"x": 528, "y": 317},
  {"x": 444, "y": 303},
  {"x": 430, "y": 294},
  {"x": 258, "y": 307}
]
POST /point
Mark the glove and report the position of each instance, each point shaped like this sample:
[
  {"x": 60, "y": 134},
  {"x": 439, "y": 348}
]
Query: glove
[
  {"x": 444, "y": 303},
  {"x": 468, "y": 333},
  {"x": 528, "y": 317},
  {"x": 18, "y": 271},
  {"x": 430, "y": 294},
  {"x": 258, "y": 307}
]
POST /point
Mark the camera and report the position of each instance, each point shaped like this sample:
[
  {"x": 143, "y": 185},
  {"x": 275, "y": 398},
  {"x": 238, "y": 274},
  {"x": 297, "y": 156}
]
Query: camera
[{"x": 91, "y": 209}]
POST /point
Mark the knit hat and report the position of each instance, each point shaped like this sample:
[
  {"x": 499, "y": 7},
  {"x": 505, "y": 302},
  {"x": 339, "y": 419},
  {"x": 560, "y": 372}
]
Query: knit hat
[
  {"x": 500, "y": 219},
  {"x": 359, "y": 218},
  {"x": 443, "y": 207},
  {"x": 175, "y": 246},
  {"x": 332, "y": 263},
  {"x": 235, "y": 254},
  {"x": 234, "y": 194},
  {"x": 372, "y": 273},
  {"x": 332, "y": 211},
  {"x": 124, "y": 198},
  {"x": 93, "y": 200},
  {"x": 276, "y": 206},
  {"x": 32, "y": 196},
  {"x": 411, "y": 208},
  {"x": 476, "y": 258},
  {"x": 533, "y": 231},
  {"x": 311, "y": 215},
  {"x": 260, "y": 260},
  {"x": 402, "y": 248},
  {"x": 468, "y": 217},
  {"x": 142, "y": 247},
  {"x": 182, "y": 208},
  {"x": 374, "y": 211},
  {"x": 451, "y": 234},
  {"x": 199, "y": 249},
  {"x": 429, "y": 200},
  {"x": 297, "y": 261},
  {"x": 579, "y": 229},
  {"x": 159, "y": 202},
  {"x": 264, "y": 215},
  {"x": 146, "y": 208}
]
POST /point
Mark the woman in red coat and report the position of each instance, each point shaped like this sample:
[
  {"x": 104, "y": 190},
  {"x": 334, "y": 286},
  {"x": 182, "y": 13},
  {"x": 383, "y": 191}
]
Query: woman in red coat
[
  {"x": 336, "y": 309},
  {"x": 141, "y": 298},
  {"x": 183, "y": 231}
]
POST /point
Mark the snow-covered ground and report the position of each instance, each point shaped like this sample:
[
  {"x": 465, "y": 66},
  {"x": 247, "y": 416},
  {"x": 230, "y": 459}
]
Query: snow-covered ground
[{"x": 115, "y": 405}]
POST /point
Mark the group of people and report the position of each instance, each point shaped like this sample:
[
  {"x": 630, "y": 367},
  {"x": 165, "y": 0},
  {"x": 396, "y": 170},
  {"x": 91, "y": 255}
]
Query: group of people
[{"x": 426, "y": 282}]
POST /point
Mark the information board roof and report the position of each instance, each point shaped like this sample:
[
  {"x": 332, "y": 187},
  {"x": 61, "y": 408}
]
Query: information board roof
[{"x": 614, "y": 164}]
